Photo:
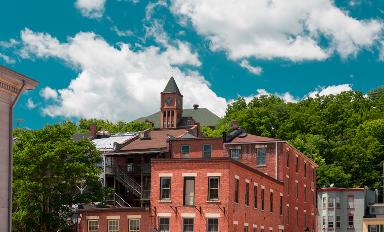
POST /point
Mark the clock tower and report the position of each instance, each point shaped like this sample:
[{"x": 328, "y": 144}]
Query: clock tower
[{"x": 171, "y": 109}]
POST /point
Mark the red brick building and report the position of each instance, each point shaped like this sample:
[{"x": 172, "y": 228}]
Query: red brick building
[{"x": 177, "y": 180}]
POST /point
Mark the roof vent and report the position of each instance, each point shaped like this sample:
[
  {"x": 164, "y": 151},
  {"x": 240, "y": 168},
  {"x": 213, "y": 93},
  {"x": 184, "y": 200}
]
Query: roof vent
[{"x": 195, "y": 106}]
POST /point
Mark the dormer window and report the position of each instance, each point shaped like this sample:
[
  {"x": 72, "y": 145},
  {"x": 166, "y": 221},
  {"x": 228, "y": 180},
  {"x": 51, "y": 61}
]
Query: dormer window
[{"x": 235, "y": 153}]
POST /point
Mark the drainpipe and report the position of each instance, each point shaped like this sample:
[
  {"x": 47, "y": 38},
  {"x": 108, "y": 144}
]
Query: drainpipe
[
  {"x": 276, "y": 161},
  {"x": 10, "y": 160}
]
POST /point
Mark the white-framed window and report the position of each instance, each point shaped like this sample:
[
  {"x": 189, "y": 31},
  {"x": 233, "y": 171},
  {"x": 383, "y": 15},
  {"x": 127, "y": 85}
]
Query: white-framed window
[
  {"x": 93, "y": 225},
  {"x": 261, "y": 153},
  {"x": 212, "y": 225},
  {"x": 330, "y": 202},
  {"x": 188, "y": 224},
  {"x": 350, "y": 221},
  {"x": 245, "y": 228},
  {"x": 338, "y": 221},
  {"x": 213, "y": 188},
  {"x": 207, "y": 149},
  {"x": 164, "y": 224},
  {"x": 165, "y": 188},
  {"x": 189, "y": 191},
  {"x": 134, "y": 225},
  {"x": 235, "y": 154},
  {"x": 324, "y": 202},
  {"x": 330, "y": 221},
  {"x": 338, "y": 205},
  {"x": 184, "y": 151},
  {"x": 113, "y": 225}
]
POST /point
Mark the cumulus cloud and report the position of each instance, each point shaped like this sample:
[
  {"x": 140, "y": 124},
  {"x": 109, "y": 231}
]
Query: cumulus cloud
[
  {"x": 7, "y": 59},
  {"x": 48, "y": 93},
  {"x": 268, "y": 29},
  {"x": 253, "y": 69},
  {"x": 9, "y": 43},
  {"x": 30, "y": 104},
  {"x": 286, "y": 97},
  {"x": 117, "y": 82},
  {"x": 330, "y": 90},
  {"x": 91, "y": 8}
]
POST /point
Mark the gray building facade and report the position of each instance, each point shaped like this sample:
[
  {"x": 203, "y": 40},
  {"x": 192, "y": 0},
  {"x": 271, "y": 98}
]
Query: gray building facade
[{"x": 343, "y": 209}]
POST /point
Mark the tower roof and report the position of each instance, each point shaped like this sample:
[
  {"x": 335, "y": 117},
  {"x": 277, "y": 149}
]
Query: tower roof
[{"x": 172, "y": 87}]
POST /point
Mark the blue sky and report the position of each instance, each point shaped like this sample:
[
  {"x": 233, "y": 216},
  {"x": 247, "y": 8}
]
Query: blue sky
[{"x": 111, "y": 58}]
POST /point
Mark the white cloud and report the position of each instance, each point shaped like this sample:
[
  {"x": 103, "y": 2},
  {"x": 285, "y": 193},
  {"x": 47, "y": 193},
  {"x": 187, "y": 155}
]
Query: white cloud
[
  {"x": 330, "y": 90},
  {"x": 253, "y": 69},
  {"x": 268, "y": 29},
  {"x": 9, "y": 44},
  {"x": 91, "y": 8},
  {"x": 118, "y": 83},
  {"x": 286, "y": 97},
  {"x": 7, "y": 59},
  {"x": 31, "y": 104},
  {"x": 122, "y": 33},
  {"x": 48, "y": 93}
]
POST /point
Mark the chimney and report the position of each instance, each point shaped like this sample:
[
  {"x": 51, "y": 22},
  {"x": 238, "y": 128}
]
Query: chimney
[
  {"x": 93, "y": 130},
  {"x": 234, "y": 125},
  {"x": 224, "y": 137},
  {"x": 195, "y": 106}
]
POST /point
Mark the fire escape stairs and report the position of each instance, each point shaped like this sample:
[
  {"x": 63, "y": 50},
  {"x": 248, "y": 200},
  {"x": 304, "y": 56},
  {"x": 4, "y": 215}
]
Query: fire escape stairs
[
  {"x": 128, "y": 182},
  {"x": 118, "y": 201}
]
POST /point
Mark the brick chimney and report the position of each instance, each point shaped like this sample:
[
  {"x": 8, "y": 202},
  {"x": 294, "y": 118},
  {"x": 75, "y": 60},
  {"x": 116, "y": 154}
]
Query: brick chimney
[{"x": 93, "y": 130}]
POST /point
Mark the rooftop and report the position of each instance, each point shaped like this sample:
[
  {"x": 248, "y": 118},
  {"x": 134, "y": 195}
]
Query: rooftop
[
  {"x": 108, "y": 144},
  {"x": 171, "y": 87}
]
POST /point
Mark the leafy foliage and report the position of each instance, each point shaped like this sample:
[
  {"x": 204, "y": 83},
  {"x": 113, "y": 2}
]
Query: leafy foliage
[
  {"x": 48, "y": 165},
  {"x": 84, "y": 125},
  {"x": 343, "y": 133}
]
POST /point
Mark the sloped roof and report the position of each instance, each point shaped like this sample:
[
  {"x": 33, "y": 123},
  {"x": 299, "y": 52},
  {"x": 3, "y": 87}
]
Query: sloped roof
[
  {"x": 172, "y": 87},
  {"x": 249, "y": 138},
  {"x": 157, "y": 140},
  {"x": 106, "y": 144},
  {"x": 201, "y": 115}
]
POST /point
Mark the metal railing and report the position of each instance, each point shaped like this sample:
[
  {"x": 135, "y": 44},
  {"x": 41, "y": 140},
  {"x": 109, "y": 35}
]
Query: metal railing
[
  {"x": 118, "y": 201},
  {"x": 128, "y": 181}
]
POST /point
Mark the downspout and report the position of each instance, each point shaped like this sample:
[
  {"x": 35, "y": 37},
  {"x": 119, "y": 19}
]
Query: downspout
[
  {"x": 10, "y": 164},
  {"x": 276, "y": 161}
]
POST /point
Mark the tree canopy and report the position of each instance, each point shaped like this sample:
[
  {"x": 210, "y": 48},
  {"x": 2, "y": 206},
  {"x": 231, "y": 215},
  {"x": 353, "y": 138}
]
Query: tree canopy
[
  {"x": 344, "y": 133},
  {"x": 48, "y": 167}
]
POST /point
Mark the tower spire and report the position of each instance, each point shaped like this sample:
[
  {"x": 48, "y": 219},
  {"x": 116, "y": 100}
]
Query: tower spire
[{"x": 171, "y": 87}]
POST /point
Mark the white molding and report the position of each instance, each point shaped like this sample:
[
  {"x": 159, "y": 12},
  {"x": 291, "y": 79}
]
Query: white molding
[
  {"x": 113, "y": 217},
  {"x": 271, "y": 190},
  {"x": 133, "y": 216},
  {"x": 254, "y": 226},
  {"x": 164, "y": 214},
  {"x": 255, "y": 184},
  {"x": 214, "y": 174},
  {"x": 187, "y": 215},
  {"x": 212, "y": 215},
  {"x": 193, "y": 174},
  {"x": 165, "y": 174},
  {"x": 247, "y": 181},
  {"x": 235, "y": 222},
  {"x": 237, "y": 177},
  {"x": 92, "y": 217},
  {"x": 245, "y": 224}
]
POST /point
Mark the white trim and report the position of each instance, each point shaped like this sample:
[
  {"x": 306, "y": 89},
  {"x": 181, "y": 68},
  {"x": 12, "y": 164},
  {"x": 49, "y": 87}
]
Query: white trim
[
  {"x": 212, "y": 215},
  {"x": 287, "y": 176},
  {"x": 296, "y": 208},
  {"x": 237, "y": 177},
  {"x": 247, "y": 181},
  {"x": 164, "y": 214},
  {"x": 281, "y": 194},
  {"x": 262, "y": 187},
  {"x": 270, "y": 228},
  {"x": 133, "y": 216},
  {"x": 296, "y": 181},
  {"x": 113, "y": 217},
  {"x": 262, "y": 227},
  {"x": 281, "y": 227},
  {"x": 189, "y": 174},
  {"x": 235, "y": 222},
  {"x": 271, "y": 190},
  {"x": 245, "y": 224},
  {"x": 305, "y": 185},
  {"x": 305, "y": 211},
  {"x": 287, "y": 205},
  {"x": 165, "y": 174},
  {"x": 187, "y": 215},
  {"x": 254, "y": 226},
  {"x": 255, "y": 184},
  {"x": 93, "y": 217},
  {"x": 214, "y": 174}
]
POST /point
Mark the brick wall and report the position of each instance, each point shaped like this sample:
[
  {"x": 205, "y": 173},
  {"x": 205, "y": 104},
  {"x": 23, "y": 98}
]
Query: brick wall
[{"x": 196, "y": 147}]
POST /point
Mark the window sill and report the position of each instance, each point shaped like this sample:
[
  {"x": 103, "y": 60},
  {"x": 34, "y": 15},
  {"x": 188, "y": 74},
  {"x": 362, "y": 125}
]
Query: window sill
[
  {"x": 261, "y": 165},
  {"x": 165, "y": 201},
  {"x": 213, "y": 201}
]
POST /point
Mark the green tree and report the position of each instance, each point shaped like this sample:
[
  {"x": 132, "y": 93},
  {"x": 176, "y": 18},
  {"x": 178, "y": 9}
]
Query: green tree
[
  {"x": 48, "y": 165},
  {"x": 84, "y": 125}
]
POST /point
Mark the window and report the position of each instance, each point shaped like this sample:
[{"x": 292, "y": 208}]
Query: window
[
  {"x": 188, "y": 224},
  {"x": 213, "y": 225},
  {"x": 254, "y": 229},
  {"x": 213, "y": 188},
  {"x": 287, "y": 215},
  {"x": 297, "y": 164},
  {"x": 297, "y": 190},
  {"x": 297, "y": 216},
  {"x": 281, "y": 205},
  {"x": 113, "y": 225},
  {"x": 189, "y": 191},
  {"x": 246, "y": 193},
  {"x": 165, "y": 188},
  {"x": 305, "y": 219},
  {"x": 271, "y": 202},
  {"x": 134, "y": 225},
  {"x": 236, "y": 190},
  {"x": 287, "y": 159},
  {"x": 324, "y": 219},
  {"x": 255, "y": 196},
  {"x": 330, "y": 221},
  {"x": 235, "y": 154},
  {"x": 93, "y": 225},
  {"x": 245, "y": 228},
  {"x": 338, "y": 202},
  {"x": 184, "y": 151},
  {"x": 207, "y": 148},
  {"x": 163, "y": 224},
  {"x": 330, "y": 202},
  {"x": 324, "y": 202},
  {"x": 338, "y": 223},
  {"x": 350, "y": 220},
  {"x": 262, "y": 199},
  {"x": 374, "y": 228},
  {"x": 261, "y": 156},
  {"x": 305, "y": 193},
  {"x": 351, "y": 203},
  {"x": 305, "y": 169}
]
